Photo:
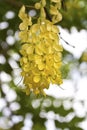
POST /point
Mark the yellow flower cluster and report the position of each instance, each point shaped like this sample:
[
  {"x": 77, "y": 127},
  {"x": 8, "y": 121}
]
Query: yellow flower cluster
[
  {"x": 54, "y": 8},
  {"x": 41, "y": 54},
  {"x": 54, "y": 11}
]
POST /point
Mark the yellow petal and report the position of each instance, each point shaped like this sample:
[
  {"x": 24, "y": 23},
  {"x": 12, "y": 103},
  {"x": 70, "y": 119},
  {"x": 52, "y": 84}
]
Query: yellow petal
[
  {"x": 36, "y": 78},
  {"x": 53, "y": 10},
  {"x": 57, "y": 57},
  {"x": 57, "y": 65},
  {"x": 31, "y": 57},
  {"x": 23, "y": 26},
  {"x": 25, "y": 60},
  {"x": 43, "y": 2},
  {"x": 22, "y": 14},
  {"x": 36, "y": 91},
  {"x": 41, "y": 66},
  {"x": 25, "y": 46},
  {"x": 55, "y": 29},
  {"x": 57, "y": 18},
  {"x": 38, "y": 5},
  {"x": 35, "y": 71},
  {"x": 38, "y": 51},
  {"x": 30, "y": 50},
  {"x": 38, "y": 59},
  {"x": 57, "y": 47},
  {"x": 26, "y": 68},
  {"x": 23, "y": 35},
  {"x": 43, "y": 28},
  {"x": 58, "y": 5},
  {"x": 49, "y": 27},
  {"x": 35, "y": 28},
  {"x": 53, "y": 36}
]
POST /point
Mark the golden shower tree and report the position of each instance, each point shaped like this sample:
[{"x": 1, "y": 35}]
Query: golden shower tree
[{"x": 30, "y": 48}]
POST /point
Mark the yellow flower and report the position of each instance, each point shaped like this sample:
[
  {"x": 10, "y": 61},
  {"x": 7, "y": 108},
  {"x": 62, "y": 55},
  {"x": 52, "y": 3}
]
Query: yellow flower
[
  {"x": 54, "y": 11},
  {"x": 22, "y": 15},
  {"x": 38, "y": 5},
  {"x": 25, "y": 18},
  {"x": 36, "y": 78},
  {"x": 57, "y": 18},
  {"x": 41, "y": 54}
]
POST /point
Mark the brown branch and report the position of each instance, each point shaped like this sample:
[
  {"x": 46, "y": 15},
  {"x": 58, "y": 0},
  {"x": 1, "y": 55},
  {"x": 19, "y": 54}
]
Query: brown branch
[
  {"x": 18, "y": 4},
  {"x": 14, "y": 3}
]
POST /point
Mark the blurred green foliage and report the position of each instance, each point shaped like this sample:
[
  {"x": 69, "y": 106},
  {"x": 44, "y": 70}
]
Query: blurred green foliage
[
  {"x": 75, "y": 14},
  {"x": 30, "y": 111}
]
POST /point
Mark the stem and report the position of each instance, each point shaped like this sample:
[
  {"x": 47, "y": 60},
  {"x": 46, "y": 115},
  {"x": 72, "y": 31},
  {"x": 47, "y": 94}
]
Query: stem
[
  {"x": 18, "y": 4},
  {"x": 31, "y": 7},
  {"x": 14, "y": 3},
  {"x": 42, "y": 12}
]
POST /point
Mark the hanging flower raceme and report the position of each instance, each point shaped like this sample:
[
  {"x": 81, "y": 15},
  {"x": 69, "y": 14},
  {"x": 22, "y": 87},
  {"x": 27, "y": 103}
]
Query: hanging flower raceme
[
  {"x": 54, "y": 10},
  {"x": 41, "y": 54}
]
